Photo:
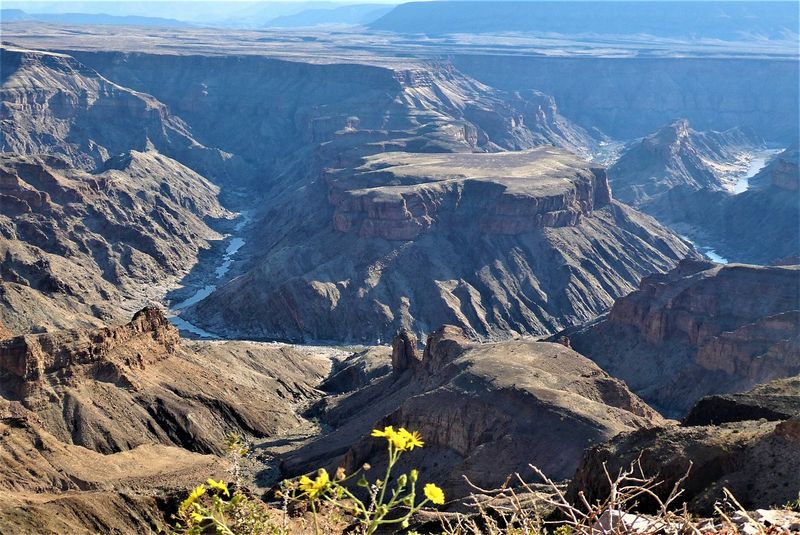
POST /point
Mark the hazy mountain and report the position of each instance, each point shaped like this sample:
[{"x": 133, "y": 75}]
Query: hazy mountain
[
  {"x": 11, "y": 15},
  {"x": 351, "y": 14},
  {"x": 712, "y": 20}
]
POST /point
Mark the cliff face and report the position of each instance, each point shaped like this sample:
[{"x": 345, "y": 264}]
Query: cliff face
[
  {"x": 398, "y": 196},
  {"x": 353, "y": 108},
  {"x": 747, "y": 443},
  {"x": 92, "y": 243},
  {"x": 484, "y": 410},
  {"x": 53, "y": 104},
  {"x": 497, "y": 244},
  {"x": 631, "y": 97},
  {"x": 116, "y": 388},
  {"x": 700, "y": 329}
]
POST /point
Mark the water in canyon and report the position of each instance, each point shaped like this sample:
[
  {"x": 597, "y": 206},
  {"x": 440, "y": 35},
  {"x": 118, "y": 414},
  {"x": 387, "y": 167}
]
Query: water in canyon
[
  {"x": 758, "y": 161},
  {"x": 234, "y": 244}
]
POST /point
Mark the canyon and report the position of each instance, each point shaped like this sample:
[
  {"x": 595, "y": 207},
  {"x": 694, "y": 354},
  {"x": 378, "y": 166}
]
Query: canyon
[
  {"x": 496, "y": 239},
  {"x": 728, "y": 328}
]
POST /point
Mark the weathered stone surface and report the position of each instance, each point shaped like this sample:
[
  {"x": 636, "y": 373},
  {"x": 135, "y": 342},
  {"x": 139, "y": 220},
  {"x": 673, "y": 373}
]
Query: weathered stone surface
[
  {"x": 484, "y": 410},
  {"x": 115, "y": 388},
  {"x": 756, "y": 460},
  {"x": 700, "y": 329},
  {"x": 499, "y": 244}
]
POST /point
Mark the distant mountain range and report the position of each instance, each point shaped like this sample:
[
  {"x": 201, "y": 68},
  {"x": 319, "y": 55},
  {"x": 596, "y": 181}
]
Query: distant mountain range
[
  {"x": 712, "y": 20},
  {"x": 349, "y": 14},
  {"x": 12, "y": 15},
  {"x": 169, "y": 13}
]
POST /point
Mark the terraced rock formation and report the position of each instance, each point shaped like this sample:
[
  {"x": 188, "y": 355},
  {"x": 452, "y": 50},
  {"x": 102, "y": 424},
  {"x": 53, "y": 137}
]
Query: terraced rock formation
[
  {"x": 484, "y": 410},
  {"x": 701, "y": 329},
  {"x": 498, "y": 244}
]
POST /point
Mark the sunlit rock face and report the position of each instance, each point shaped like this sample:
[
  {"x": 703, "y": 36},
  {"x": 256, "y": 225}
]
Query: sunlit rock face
[
  {"x": 496, "y": 243},
  {"x": 701, "y": 329}
]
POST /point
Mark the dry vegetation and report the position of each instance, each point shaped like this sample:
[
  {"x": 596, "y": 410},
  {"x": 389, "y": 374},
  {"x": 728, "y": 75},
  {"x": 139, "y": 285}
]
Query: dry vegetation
[{"x": 323, "y": 504}]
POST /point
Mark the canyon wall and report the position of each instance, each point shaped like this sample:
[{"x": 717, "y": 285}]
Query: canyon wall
[
  {"x": 631, "y": 97},
  {"x": 700, "y": 329}
]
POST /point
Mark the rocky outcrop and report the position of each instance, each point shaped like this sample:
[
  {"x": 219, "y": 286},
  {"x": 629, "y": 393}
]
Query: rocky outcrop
[
  {"x": 116, "y": 388},
  {"x": 398, "y": 196},
  {"x": 700, "y": 329},
  {"x": 498, "y": 244},
  {"x": 484, "y": 410},
  {"x": 97, "y": 244},
  {"x": 405, "y": 355},
  {"x": 774, "y": 401},
  {"x": 676, "y": 156},
  {"x": 748, "y": 443}
]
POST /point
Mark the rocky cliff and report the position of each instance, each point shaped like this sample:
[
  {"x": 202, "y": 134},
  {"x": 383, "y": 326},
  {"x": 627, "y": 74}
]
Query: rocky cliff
[
  {"x": 677, "y": 156},
  {"x": 115, "y": 388},
  {"x": 96, "y": 244},
  {"x": 497, "y": 243},
  {"x": 700, "y": 329},
  {"x": 747, "y": 443},
  {"x": 103, "y": 429},
  {"x": 484, "y": 410}
]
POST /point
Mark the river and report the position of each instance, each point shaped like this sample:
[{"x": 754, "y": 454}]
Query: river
[
  {"x": 234, "y": 243},
  {"x": 759, "y": 160}
]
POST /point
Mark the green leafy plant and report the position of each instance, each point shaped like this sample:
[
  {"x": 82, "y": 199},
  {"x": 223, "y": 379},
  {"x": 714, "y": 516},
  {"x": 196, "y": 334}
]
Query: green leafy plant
[
  {"x": 211, "y": 508},
  {"x": 389, "y": 504}
]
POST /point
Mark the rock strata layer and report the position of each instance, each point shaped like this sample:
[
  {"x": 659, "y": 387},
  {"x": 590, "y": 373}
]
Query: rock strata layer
[
  {"x": 484, "y": 411},
  {"x": 700, "y": 329},
  {"x": 499, "y": 244}
]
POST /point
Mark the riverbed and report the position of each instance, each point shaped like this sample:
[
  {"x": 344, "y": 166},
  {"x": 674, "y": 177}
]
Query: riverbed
[
  {"x": 234, "y": 242},
  {"x": 759, "y": 160}
]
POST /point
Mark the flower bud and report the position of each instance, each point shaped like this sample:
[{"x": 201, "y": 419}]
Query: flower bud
[{"x": 414, "y": 475}]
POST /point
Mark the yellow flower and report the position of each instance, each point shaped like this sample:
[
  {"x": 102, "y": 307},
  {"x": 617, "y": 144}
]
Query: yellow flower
[
  {"x": 197, "y": 517},
  {"x": 193, "y": 496},
  {"x": 402, "y": 439},
  {"x": 434, "y": 494},
  {"x": 219, "y": 485},
  {"x": 412, "y": 439},
  {"x": 312, "y": 488}
]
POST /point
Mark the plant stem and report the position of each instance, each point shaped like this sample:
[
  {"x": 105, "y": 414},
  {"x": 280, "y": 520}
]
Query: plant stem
[{"x": 314, "y": 515}]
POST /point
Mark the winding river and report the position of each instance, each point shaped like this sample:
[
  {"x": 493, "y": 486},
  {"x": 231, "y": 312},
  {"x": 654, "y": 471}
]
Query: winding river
[
  {"x": 234, "y": 243},
  {"x": 759, "y": 160}
]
